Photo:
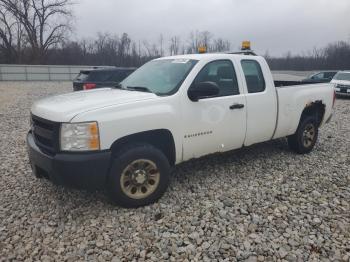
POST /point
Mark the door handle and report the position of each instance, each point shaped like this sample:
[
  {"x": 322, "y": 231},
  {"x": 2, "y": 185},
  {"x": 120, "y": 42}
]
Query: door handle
[{"x": 236, "y": 106}]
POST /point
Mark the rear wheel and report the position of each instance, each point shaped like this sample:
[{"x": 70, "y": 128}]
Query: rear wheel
[
  {"x": 304, "y": 139},
  {"x": 139, "y": 176}
]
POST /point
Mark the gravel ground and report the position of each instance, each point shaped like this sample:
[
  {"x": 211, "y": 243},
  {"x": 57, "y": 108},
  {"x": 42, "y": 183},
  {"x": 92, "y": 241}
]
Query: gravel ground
[{"x": 261, "y": 203}]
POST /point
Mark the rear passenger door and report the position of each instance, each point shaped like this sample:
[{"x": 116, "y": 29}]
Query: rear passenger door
[{"x": 261, "y": 101}]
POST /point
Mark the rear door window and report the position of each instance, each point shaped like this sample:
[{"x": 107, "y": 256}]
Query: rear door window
[
  {"x": 100, "y": 76},
  {"x": 253, "y": 76},
  {"x": 329, "y": 75}
]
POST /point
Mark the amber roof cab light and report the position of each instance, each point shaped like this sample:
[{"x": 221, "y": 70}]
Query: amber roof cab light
[
  {"x": 202, "y": 49},
  {"x": 246, "y": 45}
]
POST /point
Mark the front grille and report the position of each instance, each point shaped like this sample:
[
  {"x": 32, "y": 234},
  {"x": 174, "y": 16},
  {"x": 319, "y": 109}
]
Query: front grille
[
  {"x": 45, "y": 134},
  {"x": 344, "y": 86}
]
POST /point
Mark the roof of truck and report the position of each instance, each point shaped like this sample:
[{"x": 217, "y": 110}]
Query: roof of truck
[{"x": 206, "y": 56}]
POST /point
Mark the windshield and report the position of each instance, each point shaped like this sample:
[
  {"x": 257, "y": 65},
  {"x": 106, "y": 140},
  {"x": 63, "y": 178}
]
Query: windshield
[
  {"x": 342, "y": 76},
  {"x": 162, "y": 77}
]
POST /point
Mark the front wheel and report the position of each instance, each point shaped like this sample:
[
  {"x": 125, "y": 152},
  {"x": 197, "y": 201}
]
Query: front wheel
[
  {"x": 304, "y": 139},
  {"x": 139, "y": 176}
]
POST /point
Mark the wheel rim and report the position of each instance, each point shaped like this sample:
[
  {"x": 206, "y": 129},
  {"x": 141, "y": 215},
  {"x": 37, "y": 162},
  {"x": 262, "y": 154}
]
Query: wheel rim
[
  {"x": 140, "y": 179},
  {"x": 309, "y": 135}
]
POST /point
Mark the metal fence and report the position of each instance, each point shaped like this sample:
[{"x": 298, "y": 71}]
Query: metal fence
[
  {"x": 68, "y": 73},
  {"x": 40, "y": 72}
]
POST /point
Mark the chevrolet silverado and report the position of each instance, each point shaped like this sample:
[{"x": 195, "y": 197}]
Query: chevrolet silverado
[{"x": 126, "y": 139}]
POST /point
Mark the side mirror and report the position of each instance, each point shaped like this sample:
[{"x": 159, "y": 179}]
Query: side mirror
[{"x": 202, "y": 90}]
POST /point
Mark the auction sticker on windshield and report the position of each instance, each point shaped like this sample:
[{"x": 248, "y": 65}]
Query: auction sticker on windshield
[{"x": 180, "y": 61}]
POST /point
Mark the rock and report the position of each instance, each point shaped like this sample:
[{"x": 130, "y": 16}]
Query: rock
[
  {"x": 223, "y": 214},
  {"x": 228, "y": 202},
  {"x": 205, "y": 245},
  {"x": 282, "y": 252},
  {"x": 317, "y": 221},
  {"x": 251, "y": 259},
  {"x": 99, "y": 243},
  {"x": 261, "y": 258}
]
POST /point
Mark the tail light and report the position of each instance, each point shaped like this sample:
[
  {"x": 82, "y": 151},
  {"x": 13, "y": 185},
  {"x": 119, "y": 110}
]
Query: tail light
[
  {"x": 89, "y": 86},
  {"x": 333, "y": 98}
]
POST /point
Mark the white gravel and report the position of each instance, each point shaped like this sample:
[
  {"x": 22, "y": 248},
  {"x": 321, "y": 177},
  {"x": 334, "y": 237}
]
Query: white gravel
[{"x": 262, "y": 203}]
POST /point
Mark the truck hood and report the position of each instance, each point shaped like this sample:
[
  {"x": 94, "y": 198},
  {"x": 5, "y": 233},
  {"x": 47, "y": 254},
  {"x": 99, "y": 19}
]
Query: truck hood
[{"x": 63, "y": 108}]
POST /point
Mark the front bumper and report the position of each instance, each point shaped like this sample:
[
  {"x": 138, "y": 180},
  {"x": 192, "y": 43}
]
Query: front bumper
[{"x": 79, "y": 170}]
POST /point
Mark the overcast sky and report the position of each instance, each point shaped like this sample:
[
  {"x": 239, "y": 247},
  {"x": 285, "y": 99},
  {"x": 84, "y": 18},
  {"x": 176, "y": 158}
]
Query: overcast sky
[{"x": 274, "y": 25}]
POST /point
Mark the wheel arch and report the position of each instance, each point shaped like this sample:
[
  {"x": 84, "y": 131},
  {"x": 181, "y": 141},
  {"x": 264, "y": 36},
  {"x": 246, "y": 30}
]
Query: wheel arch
[
  {"x": 161, "y": 139},
  {"x": 316, "y": 109}
]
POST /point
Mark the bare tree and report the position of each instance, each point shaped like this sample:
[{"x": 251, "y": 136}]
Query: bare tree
[
  {"x": 11, "y": 36},
  {"x": 161, "y": 41},
  {"x": 193, "y": 42},
  {"x": 220, "y": 45},
  {"x": 46, "y": 22},
  {"x": 205, "y": 38},
  {"x": 124, "y": 45},
  {"x": 174, "y": 45},
  {"x": 6, "y": 35},
  {"x": 147, "y": 47}
]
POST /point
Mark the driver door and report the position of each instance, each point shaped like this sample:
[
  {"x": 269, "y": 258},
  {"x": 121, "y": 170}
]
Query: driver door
[{"x": 215, "y": 124}]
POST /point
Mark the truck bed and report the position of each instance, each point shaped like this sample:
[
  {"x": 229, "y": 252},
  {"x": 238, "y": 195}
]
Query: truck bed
[
  {"x": 282, "y": 83},
  {"x": 291, "y": 103}
]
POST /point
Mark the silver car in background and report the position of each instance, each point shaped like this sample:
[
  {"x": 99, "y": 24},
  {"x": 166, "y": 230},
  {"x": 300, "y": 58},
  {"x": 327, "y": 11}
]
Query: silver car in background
[{"x": 342, "y": 83}]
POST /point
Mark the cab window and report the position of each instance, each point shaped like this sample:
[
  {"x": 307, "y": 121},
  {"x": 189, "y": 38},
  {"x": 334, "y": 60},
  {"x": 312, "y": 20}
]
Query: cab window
[
  {"x": 223, "y": 74},
  {"x": 253, "y": 76}
]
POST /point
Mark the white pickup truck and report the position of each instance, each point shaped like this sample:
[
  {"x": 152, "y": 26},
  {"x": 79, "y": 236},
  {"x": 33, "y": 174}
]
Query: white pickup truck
[{"x": 126, "y": 139}]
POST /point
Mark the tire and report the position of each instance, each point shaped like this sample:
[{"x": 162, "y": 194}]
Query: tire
[
  {"x": 304, "y": 139},
  {"x": 139, "y": 175}
]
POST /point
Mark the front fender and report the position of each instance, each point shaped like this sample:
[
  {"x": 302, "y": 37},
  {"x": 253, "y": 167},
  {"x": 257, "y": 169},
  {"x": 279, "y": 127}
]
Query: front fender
[{"x": 116, "y": 122}]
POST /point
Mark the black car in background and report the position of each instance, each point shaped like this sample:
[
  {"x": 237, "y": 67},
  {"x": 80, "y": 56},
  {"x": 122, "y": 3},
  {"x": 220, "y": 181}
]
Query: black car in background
[
  {"x": 101, "y": 77},
  {"x": 320, "y": 77}
]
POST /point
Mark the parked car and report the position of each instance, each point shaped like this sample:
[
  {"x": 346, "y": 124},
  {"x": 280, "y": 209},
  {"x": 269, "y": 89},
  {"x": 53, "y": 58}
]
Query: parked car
[
  {"x": 320, "y": 77},
  {"x": 101, "y": 77},
  {"x": 172, "y": 109},
  {"x": 342, "y": 83}
]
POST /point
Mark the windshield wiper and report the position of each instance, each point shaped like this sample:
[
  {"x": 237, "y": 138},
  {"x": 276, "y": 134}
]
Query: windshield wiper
[
  {"x": 139, "y": 88},
  {"x": 119, "y": 86}
]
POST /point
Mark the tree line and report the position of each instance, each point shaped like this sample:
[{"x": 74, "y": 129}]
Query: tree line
[
  {"x": 38, "y": 32},
  {"x": 335, "y": 56},
  {"x": 107, "y": 49}
]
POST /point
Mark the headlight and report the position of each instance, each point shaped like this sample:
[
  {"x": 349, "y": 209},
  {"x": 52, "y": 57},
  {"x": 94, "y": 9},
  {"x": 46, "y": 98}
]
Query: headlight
[{"x": 79, "y": 136}]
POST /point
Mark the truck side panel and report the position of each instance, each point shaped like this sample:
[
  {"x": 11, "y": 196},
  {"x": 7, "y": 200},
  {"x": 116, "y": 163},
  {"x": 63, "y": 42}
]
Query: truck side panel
[{"x": 293, "y": 100}]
